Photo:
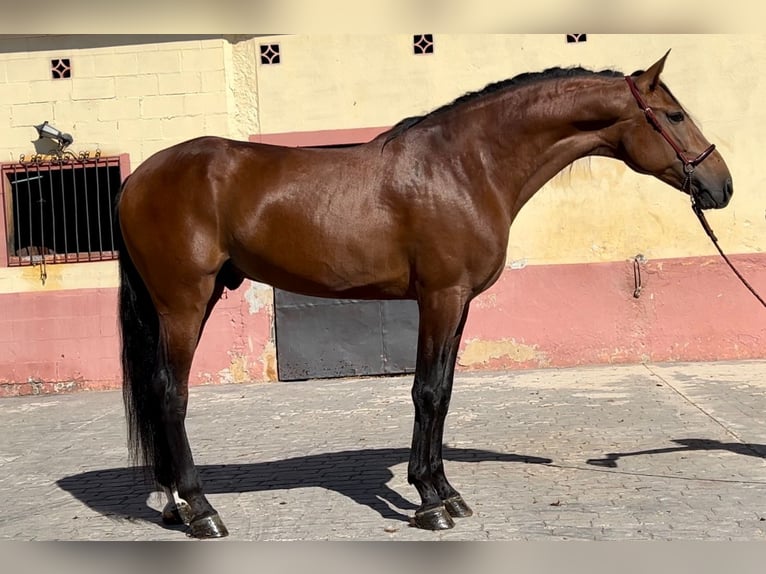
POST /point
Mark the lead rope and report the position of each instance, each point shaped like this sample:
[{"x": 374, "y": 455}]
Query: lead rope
[{"x": 709, "y": 230}]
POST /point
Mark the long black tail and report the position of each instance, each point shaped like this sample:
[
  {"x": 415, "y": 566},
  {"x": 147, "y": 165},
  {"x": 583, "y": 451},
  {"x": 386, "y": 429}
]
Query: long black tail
[{"x": 143, "y": 358}]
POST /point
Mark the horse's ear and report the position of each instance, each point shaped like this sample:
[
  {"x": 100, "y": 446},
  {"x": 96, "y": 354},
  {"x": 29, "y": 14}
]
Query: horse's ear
[{"x": 650, "y": 79}]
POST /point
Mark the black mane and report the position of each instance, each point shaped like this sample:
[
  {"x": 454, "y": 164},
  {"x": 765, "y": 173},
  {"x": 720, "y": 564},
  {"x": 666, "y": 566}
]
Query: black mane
[{"x": 523, "y": 79}]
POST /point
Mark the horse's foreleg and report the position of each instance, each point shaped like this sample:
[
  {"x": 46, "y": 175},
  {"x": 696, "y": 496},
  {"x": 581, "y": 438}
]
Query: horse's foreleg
[
  {"x": 453, "y": 502},
  {"x": 442, "y": 315}
]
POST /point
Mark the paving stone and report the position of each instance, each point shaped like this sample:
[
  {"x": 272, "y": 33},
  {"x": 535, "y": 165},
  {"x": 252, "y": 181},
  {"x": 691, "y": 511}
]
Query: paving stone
[{"x": 631, "y": 452}]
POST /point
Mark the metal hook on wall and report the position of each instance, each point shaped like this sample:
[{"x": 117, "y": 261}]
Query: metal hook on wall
[
  {"x": 638, "y": 285},
  {"x": 40, "y": 260}
]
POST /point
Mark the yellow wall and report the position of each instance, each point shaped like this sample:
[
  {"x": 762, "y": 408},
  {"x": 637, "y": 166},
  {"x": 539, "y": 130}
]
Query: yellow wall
[
  {"x": 598, "y": 211},
  {"x": 135, "y": 95}
]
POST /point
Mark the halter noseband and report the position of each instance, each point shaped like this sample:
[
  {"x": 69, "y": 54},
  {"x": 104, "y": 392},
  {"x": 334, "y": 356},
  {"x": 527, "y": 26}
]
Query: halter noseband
[{"x": 689, "y": 164}]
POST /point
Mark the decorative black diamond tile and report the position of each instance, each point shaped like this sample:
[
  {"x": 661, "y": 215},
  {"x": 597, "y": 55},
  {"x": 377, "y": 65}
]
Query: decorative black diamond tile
[
  {"x": 269, "y": 53},
  {"x": 61, "y": 68},
  {"x": 575, "y": 38},
  {"x": 423, "y": 43}
]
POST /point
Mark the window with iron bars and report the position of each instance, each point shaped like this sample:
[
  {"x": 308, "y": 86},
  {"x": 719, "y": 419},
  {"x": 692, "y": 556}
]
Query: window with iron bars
[{"x": 59, "y": 210}]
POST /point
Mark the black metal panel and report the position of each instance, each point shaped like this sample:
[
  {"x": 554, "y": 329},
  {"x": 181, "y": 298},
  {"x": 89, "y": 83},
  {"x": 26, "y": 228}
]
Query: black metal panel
[
  {"x": 400, "y": 335},
  {"x": 319, "y": 338}
]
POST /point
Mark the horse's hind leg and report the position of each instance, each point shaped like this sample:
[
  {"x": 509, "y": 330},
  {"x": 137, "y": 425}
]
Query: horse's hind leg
[
  {"x": 442, "y": 316},
  {"x": 181, "y": 328},
  {"x": 177, "y": 511}
]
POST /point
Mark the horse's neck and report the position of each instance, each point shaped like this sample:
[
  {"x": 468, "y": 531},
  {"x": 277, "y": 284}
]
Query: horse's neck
[{"x": 530, "y": 135}]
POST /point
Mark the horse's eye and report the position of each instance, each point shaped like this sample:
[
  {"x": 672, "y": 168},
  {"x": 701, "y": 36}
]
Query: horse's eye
[{"x": 676, "y": 117}]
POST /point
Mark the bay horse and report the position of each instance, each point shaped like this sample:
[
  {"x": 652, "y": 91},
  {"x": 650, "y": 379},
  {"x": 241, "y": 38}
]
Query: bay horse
[{"x": 421, "y": 212}]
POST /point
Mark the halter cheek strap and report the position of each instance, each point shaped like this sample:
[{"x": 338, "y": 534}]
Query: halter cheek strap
[{"x": 689, "y": 164}]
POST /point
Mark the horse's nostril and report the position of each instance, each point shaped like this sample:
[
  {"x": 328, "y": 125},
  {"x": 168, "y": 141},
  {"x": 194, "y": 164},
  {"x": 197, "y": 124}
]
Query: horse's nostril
[{"x": 728, "y": 189}]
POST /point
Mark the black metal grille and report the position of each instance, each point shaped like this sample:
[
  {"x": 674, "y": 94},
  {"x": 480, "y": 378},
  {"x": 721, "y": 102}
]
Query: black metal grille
[{"x": 60, "y": 210}]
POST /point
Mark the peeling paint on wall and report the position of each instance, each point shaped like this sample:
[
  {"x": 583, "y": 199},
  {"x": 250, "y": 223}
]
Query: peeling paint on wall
[
  {"x": 485, "y": 301},
  {"x": 60, "y": 277},
  {"x": 259, "y": 296},
  {"x": 477, "y": 353},
  {"x": 269, "y": 362},
  {"x": 236, "y": 372}
]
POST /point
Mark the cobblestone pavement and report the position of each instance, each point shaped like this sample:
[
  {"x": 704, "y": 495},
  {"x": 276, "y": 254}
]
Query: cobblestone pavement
[{"x": 637, "y": 452}]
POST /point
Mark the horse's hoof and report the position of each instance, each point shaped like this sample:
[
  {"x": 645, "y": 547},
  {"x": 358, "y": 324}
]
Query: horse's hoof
[
  {"x": 432, "y": 519},
  {"x": 457, "y": 508},
  {"x": 208, "y": 527},
  {"x": 174, "y": 514}
]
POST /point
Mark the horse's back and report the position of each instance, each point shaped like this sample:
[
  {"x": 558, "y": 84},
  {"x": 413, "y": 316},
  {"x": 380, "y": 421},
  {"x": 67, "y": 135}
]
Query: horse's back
[{"x": 308, "y": 220}]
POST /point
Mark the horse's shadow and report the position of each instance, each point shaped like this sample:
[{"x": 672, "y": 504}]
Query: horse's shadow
[
  {"x": 686, "y": 444},
  {"x": 360, "y": 475}
]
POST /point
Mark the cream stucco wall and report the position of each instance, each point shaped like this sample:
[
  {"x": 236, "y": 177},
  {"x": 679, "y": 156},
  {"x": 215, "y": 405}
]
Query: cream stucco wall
[
  {"x": 135, "y": 95},
  {"x": 599, "y": 210}
]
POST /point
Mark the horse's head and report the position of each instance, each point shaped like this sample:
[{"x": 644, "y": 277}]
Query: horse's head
[{"x": 662, "y": 140}]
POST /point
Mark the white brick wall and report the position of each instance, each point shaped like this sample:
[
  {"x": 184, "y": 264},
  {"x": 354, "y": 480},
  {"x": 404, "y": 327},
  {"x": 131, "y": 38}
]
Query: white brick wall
[
  {"x": 30, "y": 115},
  {"x": 68, "y": 112},
  {"x": 162, "y": 106},
  {"x": 16, "y": 92},
  {"x": 47, "y": 91},
  {"x": 117, "y": 109},
  {"x": 180, "y": 83},
  {"x": 93, "y": 88},
  {"x": 112, "y": 65},
  {"x": 201, "y": 103},
  {"x": 137, "y": 86},
  {"x": 165, "y": 62},
  {"x": 204, "y": 60},
  {"x": 36, "y": 68},
  {"x": 130, "y": 98},
  {"x": 213, "y": 81},
  {"x": 217, "y": 125},
  {"x": 179, "y": 128},
  {"x": 83, "y": 66},
  {"x": 94, "y": 134},
  {"x": 138, "y": 129}
]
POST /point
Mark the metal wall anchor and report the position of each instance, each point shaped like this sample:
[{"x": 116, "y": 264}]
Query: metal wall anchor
[{"x": 638, "y": 260}]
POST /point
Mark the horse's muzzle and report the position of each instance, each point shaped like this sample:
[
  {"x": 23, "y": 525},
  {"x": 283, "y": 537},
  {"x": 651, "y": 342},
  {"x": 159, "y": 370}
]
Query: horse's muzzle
[{"x": 709, "y": 199}]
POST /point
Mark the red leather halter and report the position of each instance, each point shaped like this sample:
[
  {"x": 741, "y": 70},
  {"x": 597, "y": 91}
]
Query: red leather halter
[{"x": 689, "y": 164}]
